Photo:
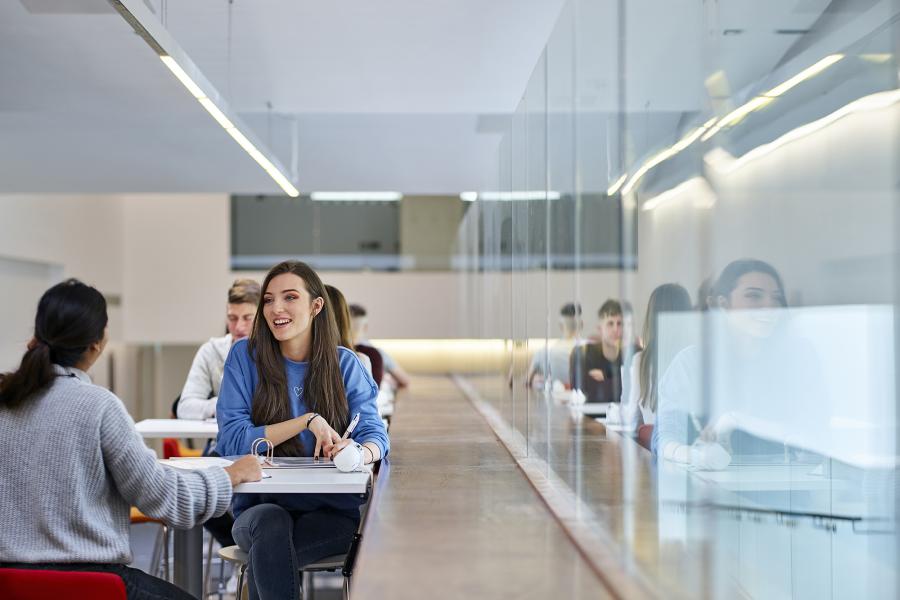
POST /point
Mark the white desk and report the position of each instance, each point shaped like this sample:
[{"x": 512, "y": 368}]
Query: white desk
[
  {"x": 592, "y": 409},
  {"x": 189, "y": 542},
  {"x": 177, "y": 428}
]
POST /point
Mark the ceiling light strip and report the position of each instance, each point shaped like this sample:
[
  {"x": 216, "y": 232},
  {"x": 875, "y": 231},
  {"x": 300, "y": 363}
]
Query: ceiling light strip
[
  {"x": 713, "y": 126},
  {"x": 156, "y": 36},
  {"x": 356, "y": 196}
]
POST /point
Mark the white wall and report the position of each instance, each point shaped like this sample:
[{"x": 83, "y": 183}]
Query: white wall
[{"x": 161, "y": 260}]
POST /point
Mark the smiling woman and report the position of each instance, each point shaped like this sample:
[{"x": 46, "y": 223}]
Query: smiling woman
[{"x": 293, "y": 384}]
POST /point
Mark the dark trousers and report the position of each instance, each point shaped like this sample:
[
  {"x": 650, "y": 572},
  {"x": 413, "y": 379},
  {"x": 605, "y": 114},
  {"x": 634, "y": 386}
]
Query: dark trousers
[
  {"x": 138, "y": 585},
  {"x": 279, "y": 542}
]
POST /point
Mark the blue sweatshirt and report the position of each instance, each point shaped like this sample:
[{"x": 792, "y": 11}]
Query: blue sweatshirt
[{"x": 237, "y": 429}]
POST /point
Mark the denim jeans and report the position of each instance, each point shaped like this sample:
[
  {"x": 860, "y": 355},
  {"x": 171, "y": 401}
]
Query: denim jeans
[
  {"x": 280, "y": 542},
  {"x": 138, "y": 585}
]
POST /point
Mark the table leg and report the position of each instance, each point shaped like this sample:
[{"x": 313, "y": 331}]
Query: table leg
[{"x": 189, "y": 560}]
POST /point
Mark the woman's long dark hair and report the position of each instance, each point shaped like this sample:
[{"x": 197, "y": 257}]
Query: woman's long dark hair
[
  {"x": 324, "y": 385},
  {"x": 669, "y": 297},
  {"x": 70, "y": 317},
  {"x": 341, "y": 316}
]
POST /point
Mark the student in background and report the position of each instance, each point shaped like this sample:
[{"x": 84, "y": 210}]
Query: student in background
[
  {"x": 360, "y": 324},
  {"x": 744, "y": 286},
  {"x": 69, "y": 509},
  {"x": 370, "y": 359},
  {"x": 596, "y": 369},
  {"x": 555, "y": 355},
  {"x": 291, "y": 383},
  {"x": 640, "y": 404},
  {"x": 201, "y": 390}
]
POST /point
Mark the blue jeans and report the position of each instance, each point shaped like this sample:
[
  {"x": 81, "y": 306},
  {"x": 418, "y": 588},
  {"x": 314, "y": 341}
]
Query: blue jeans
[{"x": 280, "y": 542}]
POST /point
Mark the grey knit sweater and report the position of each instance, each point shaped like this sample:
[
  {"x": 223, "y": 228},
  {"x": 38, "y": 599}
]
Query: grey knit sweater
[{"x": 72, "y": 465}]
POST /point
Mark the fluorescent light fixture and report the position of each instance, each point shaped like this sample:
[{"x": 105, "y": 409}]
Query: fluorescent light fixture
[
  {"x": 877, "y": 57},
  {"x": 138, "y": 14},
  {"x": 737, "y": 115},
  {"x": 510, "y": 196},
  {"x": 713, "y": 126},
  {"x": 803, "y": 75},
  {"x": 356, "y": 196},
  {"x": 617, "y": 184},
  {"x": 183, "y": 77},
  {"x": 877, "y": 101},
  {"x": 217, "y": 114},
  {"x": 757, "y": 102},
  {"x": 226, "y": 124},
  {"x": 666, "y": 154}
]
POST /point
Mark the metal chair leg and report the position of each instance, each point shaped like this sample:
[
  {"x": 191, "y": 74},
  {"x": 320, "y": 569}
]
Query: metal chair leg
[
  {"x": 165, "y": 529},
  {"x": 240, "y": 584},
  {"x": 207, "y": 579},
  {"x": 221, "y": 587},
  {"x": 307, "y": 591}
]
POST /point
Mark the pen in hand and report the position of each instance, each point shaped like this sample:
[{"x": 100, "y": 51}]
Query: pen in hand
[{"x": 351, "y": 426}]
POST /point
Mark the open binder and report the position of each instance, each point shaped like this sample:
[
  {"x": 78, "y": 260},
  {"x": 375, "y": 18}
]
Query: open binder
[{"x": 270, "y": 461}]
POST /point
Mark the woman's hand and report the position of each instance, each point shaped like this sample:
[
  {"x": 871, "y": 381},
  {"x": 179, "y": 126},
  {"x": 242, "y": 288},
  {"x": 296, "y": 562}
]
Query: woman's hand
[
  {"x": 243, "y": 470},
  {"x": 331, "y": 450},
  {"x": 326, "y": 437}
]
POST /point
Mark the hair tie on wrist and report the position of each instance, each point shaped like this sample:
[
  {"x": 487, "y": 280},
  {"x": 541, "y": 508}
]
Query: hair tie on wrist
[{"x": 310, "y": 419}]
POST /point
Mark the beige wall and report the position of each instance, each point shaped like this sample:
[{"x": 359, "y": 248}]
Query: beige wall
[
  {"x": 428, "y": 226},
  {"x": 176, "y": 255}
]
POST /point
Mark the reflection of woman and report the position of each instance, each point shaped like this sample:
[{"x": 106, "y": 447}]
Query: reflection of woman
[
  {"x": 744, "y": 288},
  {"x": 67, "y": 509},
  {"x": 293, "y": 384},
  {"x": 640, "y": 405}
]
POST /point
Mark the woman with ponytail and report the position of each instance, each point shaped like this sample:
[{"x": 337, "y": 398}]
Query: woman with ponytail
[
  {"x": 293, "y": 384},
  {"x": 72, "y": 463}
]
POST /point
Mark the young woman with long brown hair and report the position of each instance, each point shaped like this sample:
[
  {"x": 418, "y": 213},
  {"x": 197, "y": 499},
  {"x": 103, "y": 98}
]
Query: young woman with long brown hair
[{"x": 293, "y": 384}]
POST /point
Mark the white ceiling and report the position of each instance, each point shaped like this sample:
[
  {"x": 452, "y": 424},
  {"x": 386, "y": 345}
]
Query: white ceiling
[
  {"x": 383, "y": 94},
  {"x": 387, "y": 93}
]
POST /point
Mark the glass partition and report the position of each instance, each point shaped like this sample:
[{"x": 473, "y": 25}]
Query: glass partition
[{"x": 692, "y": 264}]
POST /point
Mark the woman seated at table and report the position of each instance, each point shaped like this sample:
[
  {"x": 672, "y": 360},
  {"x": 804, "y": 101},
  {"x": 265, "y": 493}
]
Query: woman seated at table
[
  {"x": 292, "y": 384},
  {"x": 639, "y": 398},
  {"x": 72, "y": 463}
]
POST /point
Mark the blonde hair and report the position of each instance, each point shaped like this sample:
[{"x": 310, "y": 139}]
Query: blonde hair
[{"x": 244, "y": 291}]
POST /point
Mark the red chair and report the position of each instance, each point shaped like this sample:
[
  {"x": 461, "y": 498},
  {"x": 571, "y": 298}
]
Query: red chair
[
  {"x": 173, "y": 447},
  {"x": 38, "y": 584}
]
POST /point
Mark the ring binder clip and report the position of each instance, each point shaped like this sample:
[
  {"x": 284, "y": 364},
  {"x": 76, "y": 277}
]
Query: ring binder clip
[{"x": 270, "y": 450}]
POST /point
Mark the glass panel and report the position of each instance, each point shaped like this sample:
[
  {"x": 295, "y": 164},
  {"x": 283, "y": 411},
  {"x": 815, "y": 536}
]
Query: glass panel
[{"x": 727, "y": 174}]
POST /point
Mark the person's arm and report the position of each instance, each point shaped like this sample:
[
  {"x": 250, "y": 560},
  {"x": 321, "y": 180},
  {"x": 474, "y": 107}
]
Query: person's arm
[
  {"x": 236, "y": 428},
  {"x": 178, "y": 497},
  {"x": 397, "y": 372},
  {"x": 678, "y": 391},
  {"x": 195, "y": 402},
  {"x": 631, "y": 401},
  {"x": 361, "y": 395}
]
